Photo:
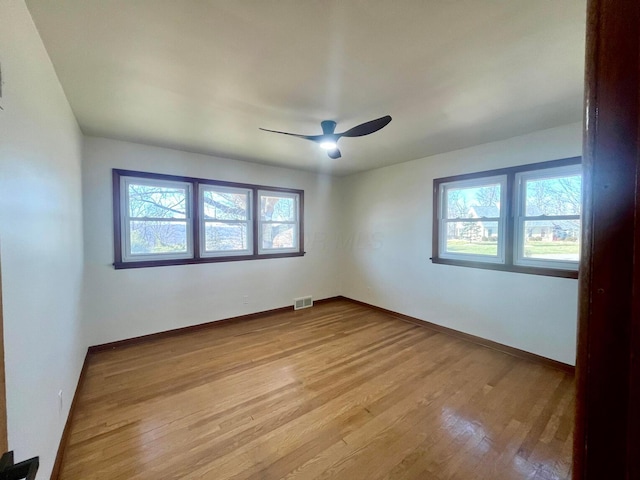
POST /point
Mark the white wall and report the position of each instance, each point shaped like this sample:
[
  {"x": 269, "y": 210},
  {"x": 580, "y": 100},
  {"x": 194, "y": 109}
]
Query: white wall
[
  {"x": 126, "y": 303},
  {"x": 40, "y": 240},
  {"x": 386, "y": 232}
]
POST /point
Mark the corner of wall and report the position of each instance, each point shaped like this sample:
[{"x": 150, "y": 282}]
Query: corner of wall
[{"x": 41, "y": 241}]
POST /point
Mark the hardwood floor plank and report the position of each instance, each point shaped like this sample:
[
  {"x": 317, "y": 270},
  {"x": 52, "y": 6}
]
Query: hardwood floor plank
[{"x": 339, "y": 391}]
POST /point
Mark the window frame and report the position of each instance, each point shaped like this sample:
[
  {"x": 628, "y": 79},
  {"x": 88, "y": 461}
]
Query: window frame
[
  {"x": 510, "y": 213},
  {"x": 195, "y": 230},
  {"x": 126, "y": 220},
  {"x": 521, "y": 217},
  {"x": 296, "y": 198},
  {"x": 203, "y": 221},
  {"x": 501, "y": 180}
]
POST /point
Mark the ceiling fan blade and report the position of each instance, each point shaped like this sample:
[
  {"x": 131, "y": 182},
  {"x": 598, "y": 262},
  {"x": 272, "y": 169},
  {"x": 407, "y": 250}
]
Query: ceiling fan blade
[
  {"x": 313, "y": 138},
  {"x": 367, "y": 127},
  {"x": 334, "y": 153}
]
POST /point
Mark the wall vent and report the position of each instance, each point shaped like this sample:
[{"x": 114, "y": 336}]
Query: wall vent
[{"x": 302, "y": 302}]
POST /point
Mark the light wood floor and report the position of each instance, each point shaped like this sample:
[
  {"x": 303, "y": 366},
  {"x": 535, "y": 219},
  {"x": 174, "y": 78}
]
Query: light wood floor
[{"x": 336, "y": 391}]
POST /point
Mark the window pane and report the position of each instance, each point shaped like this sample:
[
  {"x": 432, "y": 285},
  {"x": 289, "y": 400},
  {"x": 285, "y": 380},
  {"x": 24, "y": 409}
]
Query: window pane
[
  {"x": 152, "y": 237},
  {"x": 277, "y": 209},
  {"x": 225, "y": 236},
  {"x": 278, "y": 235},
  {"x": 553, "y": 196},
  {"x": 472, "y": 238},
  {"x": 157, "y": 201},
  {"x": 474, "y": 202},
  {"x": 552, "y": 240},
  {"x": 225, "y": 205}
]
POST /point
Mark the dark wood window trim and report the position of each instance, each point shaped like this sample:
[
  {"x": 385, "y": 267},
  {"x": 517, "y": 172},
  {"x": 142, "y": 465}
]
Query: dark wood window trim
[
  {"x": 119, "y": 263},
  {"x": 508, "y": 265}
]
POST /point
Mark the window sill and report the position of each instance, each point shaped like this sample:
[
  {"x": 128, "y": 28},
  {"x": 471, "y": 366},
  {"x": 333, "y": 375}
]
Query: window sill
[
  {"x": 192, "y": 261},
  {"x": 549, "y": 272}
]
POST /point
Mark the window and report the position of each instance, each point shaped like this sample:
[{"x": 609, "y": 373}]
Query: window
[
  {"x": 521, "y": 219},
  {"x": 225, "y": 223},
  {"x": 548, "y": 217},
  {"x": 169, "y": 220},
  {"x": 278, "y": 220},
  {"x": 157, "y": 219},
  {"x": 472, "y": 222}
]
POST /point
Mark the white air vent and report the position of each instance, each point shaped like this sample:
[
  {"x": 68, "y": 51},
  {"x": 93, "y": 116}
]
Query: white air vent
[{"x": 302, "y": 302}]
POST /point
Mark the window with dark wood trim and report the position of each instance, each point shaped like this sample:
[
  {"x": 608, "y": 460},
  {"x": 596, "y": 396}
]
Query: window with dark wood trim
[
  {"x": 523, "y": 219},
  {"x": 171, "y": 220}
]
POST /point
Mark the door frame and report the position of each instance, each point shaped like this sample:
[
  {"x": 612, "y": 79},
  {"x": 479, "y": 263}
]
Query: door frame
[{"x": 606, "y": 440}]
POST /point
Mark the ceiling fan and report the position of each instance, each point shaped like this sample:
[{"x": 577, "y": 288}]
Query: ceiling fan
[{"x": 329, "y": 139}]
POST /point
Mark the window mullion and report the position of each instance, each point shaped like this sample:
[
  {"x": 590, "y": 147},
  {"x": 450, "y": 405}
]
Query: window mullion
[
  {"x": 195, "y": 218},
  {"x": 229, "y": 222},
  {"x": 471, "y": 219},
  {"x": 510, "y": 213},
  {"x": 257, "y": 229},
  {"x": 156, "y": 219},
  {"x": 542, "y": 218}
]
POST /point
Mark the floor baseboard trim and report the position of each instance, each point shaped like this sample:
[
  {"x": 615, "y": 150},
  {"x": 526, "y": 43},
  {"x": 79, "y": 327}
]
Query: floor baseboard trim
[
  {"x": 57, "y": 464},
  {"x": 516, "y": 352},
  {"x": 201, "y": 326}
]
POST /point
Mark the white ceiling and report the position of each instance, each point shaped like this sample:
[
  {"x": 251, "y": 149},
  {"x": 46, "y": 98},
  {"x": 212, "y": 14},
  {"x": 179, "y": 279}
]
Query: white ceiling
[{"x": 202, "y": 76}]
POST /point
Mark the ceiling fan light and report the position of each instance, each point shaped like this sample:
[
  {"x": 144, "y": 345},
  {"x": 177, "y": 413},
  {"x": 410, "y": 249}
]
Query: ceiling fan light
[{"x": 329, "y": 145}]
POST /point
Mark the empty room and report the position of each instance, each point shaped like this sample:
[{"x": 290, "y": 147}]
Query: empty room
[{"x": 295, "y": 239}]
